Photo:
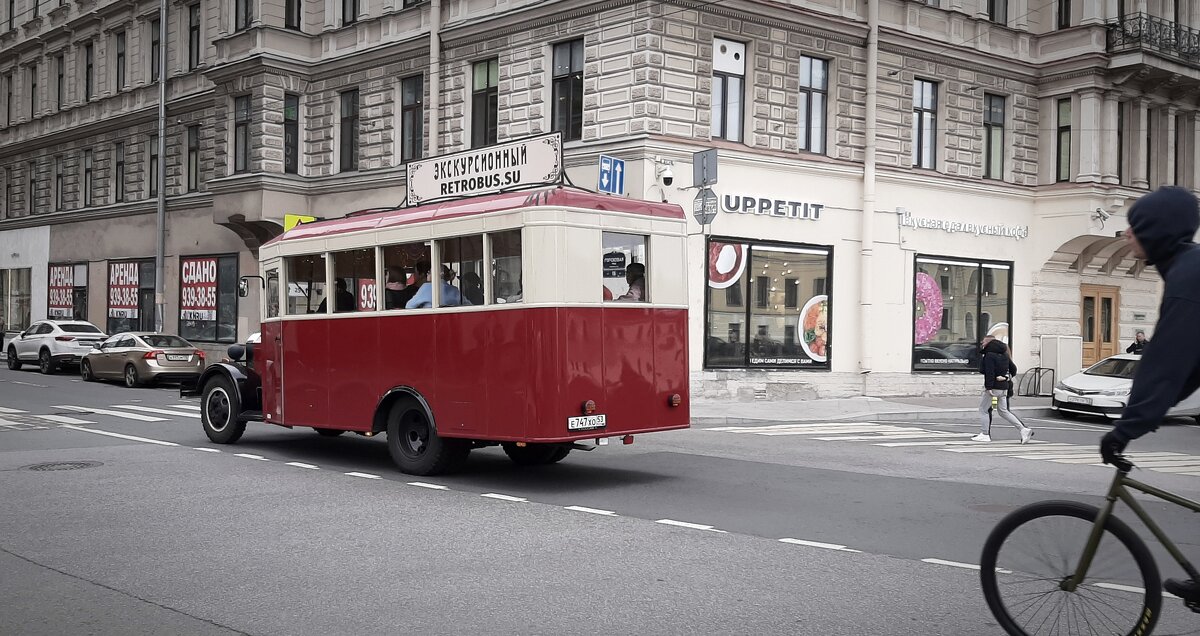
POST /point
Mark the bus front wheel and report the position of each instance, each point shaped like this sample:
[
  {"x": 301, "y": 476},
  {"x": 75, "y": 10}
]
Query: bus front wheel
[
  {"x": 536, "y": 454},
  {"x": 219, "y": 410},
  {"x": 416, "y": 447}
]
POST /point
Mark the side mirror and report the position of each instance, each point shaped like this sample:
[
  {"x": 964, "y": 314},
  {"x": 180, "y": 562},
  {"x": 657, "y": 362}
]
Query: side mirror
[
  {"x": 97, "y": 345},
  {"x": 236, "y": 352},
  {"x": 243, "y": 288}
]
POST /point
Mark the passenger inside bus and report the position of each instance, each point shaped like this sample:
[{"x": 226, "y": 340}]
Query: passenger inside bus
[
  {"x": 395, "y": 288},
  {"x": 635, "y": 275},
  {"x": 451, "y": 297},
  {"x": 472, "y": 288},
  {"x": 420, "y": 278},
  {"x": 343, "y": 299}
]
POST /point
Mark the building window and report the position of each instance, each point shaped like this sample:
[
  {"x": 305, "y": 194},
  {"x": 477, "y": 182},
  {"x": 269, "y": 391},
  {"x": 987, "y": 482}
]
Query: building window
[
  {"x": 193, "y": 36},
  {"x": 87, "y": 178},
  {"x": 348, "y": 140},
  {"x": 208, "y": 298},
  {"x": 34, "y": 9},
  {"x": 15, "y": 299},
  {"x": 412, "y": 118},
  {"x": 60, "y": 83},
  {"x": 193, "y": 158},
  {"x": 1064, "y": 13},
  {"x": 89, "y": 71},
  {"x": 120, "y": 62},
  {"x": 756, "y": 334},
  {"x": 8, "y": 99},
  {"x": 1063, "y": 159},
  {"x": 485, "y": 106},
  {"x": 12, "y": 14},
  {"x": 925, "y": 103},
  {"x": 291, "y": 133},
  {"x": 241, "y": 133},
  {"x": 567, "y": 116},
  {"x": 243, "y": 14},
  {"x": 942, "y": 341},
  {"x": 152, "y": 151},
  {"x": 814, "y": 96},
  {"x": 67, "y": 299},
  {"x": 1122, "y": 118},
  {"x": 349, "y": 11},
  {"x": 993, "y": 132},
  {"x": 155, "y": 49},
  {"x": 291, "y": 14},
  {"x": 30, "y": 187},
  {"x": 130, "y": 296},
  {"x": 998, "y": 11},
  {"x": 33, "y": 91},
  {"x": 119, "y": 172},
  {"x": 58, "y": 183},
  {"x": 8, "y": 194},
  {"x": 729, "y": 69},
  {"x": 1151, "y": 178}
]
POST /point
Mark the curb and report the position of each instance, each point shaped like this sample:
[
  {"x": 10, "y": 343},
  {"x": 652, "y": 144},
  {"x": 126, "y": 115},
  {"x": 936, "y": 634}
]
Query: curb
[{"x": 891, "y": 416}]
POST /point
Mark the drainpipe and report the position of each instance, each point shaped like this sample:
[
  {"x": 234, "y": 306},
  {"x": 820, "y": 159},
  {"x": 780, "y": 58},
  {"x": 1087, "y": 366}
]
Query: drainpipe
[
  {"x": 866, "y": 275},
  {"x": 435, "y": 76},
  {"x": 160, "y": 294}
]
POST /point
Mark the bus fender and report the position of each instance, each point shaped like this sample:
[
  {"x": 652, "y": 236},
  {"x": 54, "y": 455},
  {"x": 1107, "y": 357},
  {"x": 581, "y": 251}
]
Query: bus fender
[
  {"x": 394, "y": 395},
  {"x": 236, "y": 373}
]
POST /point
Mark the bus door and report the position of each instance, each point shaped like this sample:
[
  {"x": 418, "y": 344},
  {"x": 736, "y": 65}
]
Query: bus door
[{"x": 268, "y": 359}]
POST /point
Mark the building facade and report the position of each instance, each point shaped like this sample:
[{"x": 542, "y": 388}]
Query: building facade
[{"x": 895, "y": 179}]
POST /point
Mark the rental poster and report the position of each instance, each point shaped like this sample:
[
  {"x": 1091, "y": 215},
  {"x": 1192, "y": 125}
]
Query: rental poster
[
  {"x": 123, "y": 290},
  {"x": 198, "y": 289},
  {"x": 62, "y": 288}
]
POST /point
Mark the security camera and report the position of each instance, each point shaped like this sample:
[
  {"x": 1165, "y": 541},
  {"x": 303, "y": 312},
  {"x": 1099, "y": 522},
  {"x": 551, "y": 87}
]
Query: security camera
[
  {"x": 1104, "y": 216},
  {"x": 667, "y": 176}
]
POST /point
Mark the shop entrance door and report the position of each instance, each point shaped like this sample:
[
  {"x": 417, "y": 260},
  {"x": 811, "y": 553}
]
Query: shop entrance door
[{"x": 1098, "y": 322}]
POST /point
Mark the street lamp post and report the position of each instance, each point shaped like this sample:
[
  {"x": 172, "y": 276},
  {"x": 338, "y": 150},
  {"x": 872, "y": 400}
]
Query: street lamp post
[{"x": 160, "y": 296}]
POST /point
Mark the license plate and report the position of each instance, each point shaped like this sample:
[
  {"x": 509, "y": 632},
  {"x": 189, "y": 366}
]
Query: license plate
[
  {"x": 178, "y": 358},
  {"x": 1074, "y": 399},
  {"x": 586, "y": 422}
]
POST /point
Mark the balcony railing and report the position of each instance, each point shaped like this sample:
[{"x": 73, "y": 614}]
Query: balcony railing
[{"x": 1144, "y": 32}]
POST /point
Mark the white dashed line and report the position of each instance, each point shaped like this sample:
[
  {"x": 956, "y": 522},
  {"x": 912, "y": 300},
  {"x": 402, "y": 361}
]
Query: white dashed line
[
  {"x": 421, "y": 484},
  {"x": 494, "y": 495},
  {"x": 147, "y": 409},
  {"x": 1128, "y": 588},
  {"x": 303, "y": 465},
  {"x": 63, "y": 419},
  {"x": 594, "y": 511},
  {"x": 818, "y": 544},
  {"x": 685, "y": 524},
  {"x": 187, "y": 407},
  {"x": 249, "y": 456},
  {"x": 40, "y": 386},
  {"x": 964, "y": 566},
  {"x": 122, "y": 414},
  {"x": 365, "y": 475},
  {"x": 128, "y": 437},
  {"x": 206, "y": 450},
  {"x": 8, "y": 411}
]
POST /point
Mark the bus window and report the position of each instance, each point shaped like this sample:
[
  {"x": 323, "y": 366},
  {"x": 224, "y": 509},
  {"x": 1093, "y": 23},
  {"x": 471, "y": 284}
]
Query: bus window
[
  {"x": 461, "y": 269},
  {"x": 506, "y": 267},
  {"x": 624, "y": 267},
  {"x": 354, "y": 280},
  {"x": 272, "y": 293},
  {"x": 305, "y": 284},
  {"x": 406, "y": 267}
]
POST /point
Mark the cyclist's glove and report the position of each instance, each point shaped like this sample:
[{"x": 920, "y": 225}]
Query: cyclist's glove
[{"x": 1111, "y": 447}]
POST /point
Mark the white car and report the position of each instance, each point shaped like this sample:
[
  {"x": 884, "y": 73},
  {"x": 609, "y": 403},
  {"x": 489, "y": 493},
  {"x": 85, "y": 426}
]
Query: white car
[
  {"x": 52, "y": 343},
  {"x": 1103, "y": 389}
]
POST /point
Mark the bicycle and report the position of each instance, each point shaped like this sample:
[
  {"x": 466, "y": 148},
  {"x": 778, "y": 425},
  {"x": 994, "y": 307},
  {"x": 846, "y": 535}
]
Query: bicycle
[{"x": 1089, "y": 590}]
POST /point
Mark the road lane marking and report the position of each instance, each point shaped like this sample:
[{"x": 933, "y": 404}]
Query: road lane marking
[
  {"x": 119, "y": 435},
  {"x": 685, "y": 524},
  {"x": 303, "y": 465},
  {"x": 8, "y": 411},
  {"x": 984, "y": 447},
  {"x": 732, "y": 429},
  {"x": 188, "y": 407},
  {"x": 206, "y": 450},
  {"x": 364, "y": 475},
  {"x": 1128, "y": 588},
  {"x": 899, "y": 435},
  {"x": 818, "y": 544},
  {"x": 421, "y": 484},
  {"x": 122, "y": 414},
  {"x": 947, "y": 442},
  {"x": 964, "y": 566},
  {"x": 63, "y": 419},
  {"x": 147, "y": 409},
  {"x": 496, "y": 495},
  {"x": 594, "y": 511},
  {"x": 249, "y": 456},
  {"x": 40, "y": 386}
]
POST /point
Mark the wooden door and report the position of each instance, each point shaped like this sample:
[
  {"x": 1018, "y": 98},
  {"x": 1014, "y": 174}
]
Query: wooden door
[{"x": 1099, "y": 309}]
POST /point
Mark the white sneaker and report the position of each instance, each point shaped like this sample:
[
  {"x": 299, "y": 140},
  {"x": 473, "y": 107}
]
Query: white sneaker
[
  {"x": 982, "y": 437},
  {"x": 1026, "y": 434}
]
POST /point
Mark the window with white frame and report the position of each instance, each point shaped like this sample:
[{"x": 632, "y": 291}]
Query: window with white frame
[
  {"x": 993, "y": 136},
  {"x": 925, "y": 104},
  {"x": 87, "y": 184},
  {"x": 348, "y": 137},
  {"x": 728, "y": 93},
  {"x": 1063, "y": 150},
  {"x": 567, "y": 107},
  {"x": 814, "y": 96},
  {"x": 412, "y": 117},
  {"x": 485, "y": 102},
  {"x": 241, "y": 133}
]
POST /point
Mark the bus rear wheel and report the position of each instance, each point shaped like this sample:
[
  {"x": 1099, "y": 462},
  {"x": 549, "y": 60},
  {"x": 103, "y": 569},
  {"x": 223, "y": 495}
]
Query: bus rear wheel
[
  {"x": 536, "y": 454},
  {"x": 416, "y": 447}
]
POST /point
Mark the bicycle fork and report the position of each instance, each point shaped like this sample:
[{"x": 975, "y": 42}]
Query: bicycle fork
[{"x": 1071, "y": 583}]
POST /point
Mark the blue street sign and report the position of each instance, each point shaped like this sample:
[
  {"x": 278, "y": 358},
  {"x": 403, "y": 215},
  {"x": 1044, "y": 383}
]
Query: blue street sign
[{"x": 612, "y": 175}]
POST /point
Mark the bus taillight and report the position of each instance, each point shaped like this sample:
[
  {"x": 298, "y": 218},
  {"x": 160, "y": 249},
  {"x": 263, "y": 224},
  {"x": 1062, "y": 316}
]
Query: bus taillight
[
  {"x": 589, "y": 407},
  {"x": 675, "y": 400}
]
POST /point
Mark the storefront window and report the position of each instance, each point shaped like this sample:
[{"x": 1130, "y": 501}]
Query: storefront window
[
  {"x": 68, "y": 292},
  {"x": 15, "y": 299},
  {"x": 768, "y": 305},
  {"x": 957, "y": 303},
  {"x": 130, "y": 296},
  {"x": 208, "y": 298}
]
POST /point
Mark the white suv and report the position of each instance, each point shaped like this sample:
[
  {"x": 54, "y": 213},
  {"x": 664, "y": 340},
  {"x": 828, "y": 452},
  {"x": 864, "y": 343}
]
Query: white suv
[{"x": 51, "y": 343}]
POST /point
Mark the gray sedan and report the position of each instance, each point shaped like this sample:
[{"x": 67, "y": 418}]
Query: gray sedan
[{"x": 142, "y": 358}]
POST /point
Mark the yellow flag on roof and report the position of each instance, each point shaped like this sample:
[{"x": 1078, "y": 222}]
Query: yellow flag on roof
[{"x": 292, "y": 220}]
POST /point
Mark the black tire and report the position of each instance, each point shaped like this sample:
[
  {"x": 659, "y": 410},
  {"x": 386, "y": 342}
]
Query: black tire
[
  {"x": 46, "y": 363},
  {"x": 329, "y": 432},
  {"x": 219, "y": 409},
  {"x": 85, "y": 371},
  {"x": 416, "y": 447},
  {"x": 131, "y": 377},
  {"x": 14, "y": 363},
  {"x": 536, "y": 454},
  {"x": 1068, "y": 415},
  {"x": 1087, "y": 597}
]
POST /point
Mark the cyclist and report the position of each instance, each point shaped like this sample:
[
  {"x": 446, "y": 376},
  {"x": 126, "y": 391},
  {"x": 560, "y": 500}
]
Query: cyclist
[{"x": 1162, "y": 226}]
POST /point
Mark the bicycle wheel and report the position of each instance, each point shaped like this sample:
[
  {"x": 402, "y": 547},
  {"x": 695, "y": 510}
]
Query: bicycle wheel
[{"x": 1038, "y": 548}]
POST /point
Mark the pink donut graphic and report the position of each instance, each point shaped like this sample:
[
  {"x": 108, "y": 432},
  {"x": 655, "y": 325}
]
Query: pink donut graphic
[{"x": 929, "y": 308}]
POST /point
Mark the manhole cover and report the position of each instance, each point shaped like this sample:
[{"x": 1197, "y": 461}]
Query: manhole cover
[{"x": 63, "y": 466}]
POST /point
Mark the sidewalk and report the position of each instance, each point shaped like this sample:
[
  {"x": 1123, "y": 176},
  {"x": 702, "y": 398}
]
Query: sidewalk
[{"x": 896, "y": 409}]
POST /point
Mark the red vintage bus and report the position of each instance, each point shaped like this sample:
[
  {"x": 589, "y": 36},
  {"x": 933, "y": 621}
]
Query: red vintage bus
[{"x": 541, "y": 321}]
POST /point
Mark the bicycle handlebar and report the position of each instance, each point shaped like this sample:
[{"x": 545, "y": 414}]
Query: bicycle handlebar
[{"x": 1121, "y": 462}]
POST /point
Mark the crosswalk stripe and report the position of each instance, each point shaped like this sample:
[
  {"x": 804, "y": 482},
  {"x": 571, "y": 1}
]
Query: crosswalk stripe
[
  {"x": 129, "y": 416},
  {"x": 121, "y": 436},
  {"x": 1091, "y": 455},
  {"x": 63, "y": 419},
  {"x": 985, "y": 448},
  {"x": 1095, "y": 456},
  {"x": 838, "y": 431},
  {"x": 1193, "y": 462},
  {"x": 1182, "y": 470},
  {"x": 147, "y": 409},
  {"x": 186, "y": 407},
  {"x": 901, "y": 435},
  {"x": 7, "y": 411},
  {"x": 730, "y": 429},
  {"x": 944, "y": 442}
]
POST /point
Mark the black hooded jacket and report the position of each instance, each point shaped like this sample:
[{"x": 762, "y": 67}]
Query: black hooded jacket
[
  {"x": 995, "y": 364},
  {"x": 1165, "y": 223}
]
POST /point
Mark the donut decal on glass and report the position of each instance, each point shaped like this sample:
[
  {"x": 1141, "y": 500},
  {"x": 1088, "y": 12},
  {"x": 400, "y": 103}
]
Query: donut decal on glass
[
  {"x": 929, "y": 308},
  {"x": 814, "y": 328},
  {"x": 726, "y": 262}
]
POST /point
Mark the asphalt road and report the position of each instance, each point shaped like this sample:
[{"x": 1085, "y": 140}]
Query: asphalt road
[{"x": 288, "y": 532}]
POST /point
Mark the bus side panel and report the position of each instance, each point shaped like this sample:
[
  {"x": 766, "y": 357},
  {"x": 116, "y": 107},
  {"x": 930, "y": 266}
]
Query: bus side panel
[
  {"x": 671, "y": 367},
  {"x": 353, "y": 365},
  {"x": 460, "y": 409},
  {"x": 629, "y": 375},
  {"x": 306, "y": 359},
  {"x": 508, "y": 374},
  {"x": 547, "y": 369},
  {"x": 582, "y": 360},
  {"x": 267, "y": 364},
  {"x": 406, "y": 356}
]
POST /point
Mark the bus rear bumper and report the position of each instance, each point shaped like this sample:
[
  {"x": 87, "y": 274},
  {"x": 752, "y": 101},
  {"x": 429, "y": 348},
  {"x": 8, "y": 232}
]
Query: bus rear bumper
[{"x": 597, "y": 437}]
